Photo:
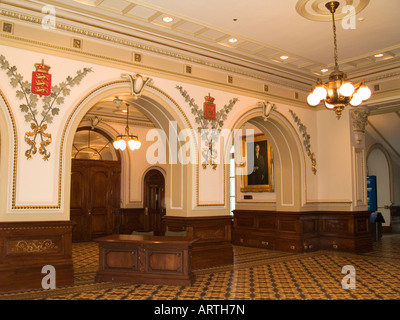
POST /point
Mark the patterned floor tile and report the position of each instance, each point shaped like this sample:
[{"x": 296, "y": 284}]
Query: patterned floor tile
[{"x": 257, "y": 274}]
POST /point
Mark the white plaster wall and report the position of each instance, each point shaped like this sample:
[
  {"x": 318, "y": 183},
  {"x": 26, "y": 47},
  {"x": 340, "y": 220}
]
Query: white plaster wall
[
  {"x": 334, "y": 157},
  {"x": 204, "y": 191}
]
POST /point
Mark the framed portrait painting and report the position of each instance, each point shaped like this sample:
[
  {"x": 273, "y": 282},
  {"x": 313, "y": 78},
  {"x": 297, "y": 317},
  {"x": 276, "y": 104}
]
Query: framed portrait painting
[{"x": 257, "y": 174}]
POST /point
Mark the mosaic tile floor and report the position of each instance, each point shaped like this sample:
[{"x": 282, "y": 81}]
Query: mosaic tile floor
[{"x": 257, "y": 274}]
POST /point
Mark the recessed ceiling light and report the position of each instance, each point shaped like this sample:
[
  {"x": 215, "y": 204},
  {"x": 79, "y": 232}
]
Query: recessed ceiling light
[
  {"x": 168, "y": 19},
  {"x": 324, "y": 70},
  {"x": 379, "y": 55},
  {"x": 284, "y": 57},
  {"x": 233, "y": 40}
]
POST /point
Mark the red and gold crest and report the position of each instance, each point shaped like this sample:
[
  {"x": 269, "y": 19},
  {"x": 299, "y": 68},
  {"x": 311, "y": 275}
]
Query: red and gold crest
[
  {"x": 41, "y": 79},
  {"x": 209, "y": 108}
]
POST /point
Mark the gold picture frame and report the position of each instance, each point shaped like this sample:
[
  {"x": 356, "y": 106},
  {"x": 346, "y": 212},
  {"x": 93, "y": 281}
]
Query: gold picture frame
[{"x": 257, "y": 172}]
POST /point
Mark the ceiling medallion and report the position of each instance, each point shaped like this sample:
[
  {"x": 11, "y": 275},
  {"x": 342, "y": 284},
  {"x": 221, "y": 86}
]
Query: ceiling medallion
[{"x": 315, "y": 9}]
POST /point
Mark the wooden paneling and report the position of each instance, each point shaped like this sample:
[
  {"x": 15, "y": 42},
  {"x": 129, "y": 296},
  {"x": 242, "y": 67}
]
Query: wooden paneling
[
  {"x": 26, "y": 247},
  {"x": 345, "y": 231},
  {"x": 214, "y": 247},
  {"x": 129, "y": 219},
  {"x": 145, "y": 259},
  {"x": 302, "y": 231},
  {"x": 395, "y": 218}
]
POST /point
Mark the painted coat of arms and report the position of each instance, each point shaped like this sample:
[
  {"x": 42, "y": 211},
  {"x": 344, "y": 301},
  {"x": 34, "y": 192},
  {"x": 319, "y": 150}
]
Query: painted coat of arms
[
  {"x": 209, "y": 108},
  {"x": 41, "y": 80}
]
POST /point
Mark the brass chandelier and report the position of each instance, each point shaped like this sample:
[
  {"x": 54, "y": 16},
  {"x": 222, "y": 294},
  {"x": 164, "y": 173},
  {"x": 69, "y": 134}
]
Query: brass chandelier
[
  {"x": 127, "y": 139},
  {"x": 338, "y": 92}
]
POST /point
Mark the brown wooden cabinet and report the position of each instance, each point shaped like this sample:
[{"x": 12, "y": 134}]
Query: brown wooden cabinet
[
  {"x": 145, "y": 259},
  {"x": 95, "y": 196}
]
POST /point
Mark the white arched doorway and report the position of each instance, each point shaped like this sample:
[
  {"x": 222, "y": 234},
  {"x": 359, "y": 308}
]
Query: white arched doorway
[
  {"x": 288, "y": 162},
  {"x": 161, "y": 110},
  {"x": 379, "y": 165}
]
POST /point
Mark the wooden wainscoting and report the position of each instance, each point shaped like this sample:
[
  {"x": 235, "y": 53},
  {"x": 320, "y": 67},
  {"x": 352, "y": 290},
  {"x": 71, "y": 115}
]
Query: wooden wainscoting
[
  {"x": 26, "y": 247},
  {"x": 285, "y": 231},
  {"x": 345, "y": 231},
  {"x": 129, "y": 219},
  {"x": 302, "y": 231},
  {"x": 214, "y": 247},
  {"x": 395, "y": 219}
]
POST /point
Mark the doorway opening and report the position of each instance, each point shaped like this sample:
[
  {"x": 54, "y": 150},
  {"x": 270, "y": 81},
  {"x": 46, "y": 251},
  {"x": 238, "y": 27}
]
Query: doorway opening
[
  {"x": 95, "y": 184},
  {"x": 154, "y": 201}
]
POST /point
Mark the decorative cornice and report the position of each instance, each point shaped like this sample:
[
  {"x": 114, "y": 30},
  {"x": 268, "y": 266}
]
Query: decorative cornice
[{"x": 144, "y": 47}]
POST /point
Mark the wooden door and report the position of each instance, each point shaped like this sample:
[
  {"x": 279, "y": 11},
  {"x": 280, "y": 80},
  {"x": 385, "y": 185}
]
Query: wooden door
[
  {"x": 154, "y": 201},
  {"x": 95, "y": 195}
]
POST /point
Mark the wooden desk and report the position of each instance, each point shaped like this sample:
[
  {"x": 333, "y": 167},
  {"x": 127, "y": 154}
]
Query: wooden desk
[{"x": 145, "y": 259}]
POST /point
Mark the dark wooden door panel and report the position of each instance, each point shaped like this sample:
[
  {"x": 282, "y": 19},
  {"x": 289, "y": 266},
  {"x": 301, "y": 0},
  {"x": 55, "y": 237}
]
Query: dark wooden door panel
[
  {"x": 154, "y": 202},
  {"x": 95, "y": 195}
]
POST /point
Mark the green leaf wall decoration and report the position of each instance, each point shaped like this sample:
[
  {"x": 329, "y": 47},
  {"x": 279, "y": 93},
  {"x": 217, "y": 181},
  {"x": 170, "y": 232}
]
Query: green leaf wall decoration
[
  {"x": 306, "y": 141},
  {"x": 210, "y": 129},
  {"x": 50, "y": 106}
]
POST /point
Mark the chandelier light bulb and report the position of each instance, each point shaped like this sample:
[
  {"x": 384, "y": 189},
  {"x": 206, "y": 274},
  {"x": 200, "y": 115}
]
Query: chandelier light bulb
[
  {"x": 132, "y": 144},
  {"x": 122, "y": 145},
  {"x": 320, "y": 92},
  {"x": 364, "y": 92},
  {"x": 313, "y": 100},
  {"x": 329, "y": 106},
  {"x": 346, "y": 89},
  {"x": 356, "y": 101},
  {"x": 138, "y": 144}
]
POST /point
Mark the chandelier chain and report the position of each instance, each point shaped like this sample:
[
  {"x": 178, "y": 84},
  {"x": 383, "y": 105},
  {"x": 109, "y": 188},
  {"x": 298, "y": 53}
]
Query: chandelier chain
[{"x": 335, "y": 42}]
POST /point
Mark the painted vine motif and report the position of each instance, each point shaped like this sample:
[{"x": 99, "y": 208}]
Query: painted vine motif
[
  {"x": 209, "y": 129},
  {"x": 50, "y": 106},
  {"x": 306, "y": 141}
]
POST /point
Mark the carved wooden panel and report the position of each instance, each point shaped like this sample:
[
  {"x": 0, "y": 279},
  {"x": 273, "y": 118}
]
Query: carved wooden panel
[
  {"x": 361, "y": 225},
  {"x": 266, "y": 222},
  {"x": 129, "y": 220},
  {"x": 208, "y": 233},
  {"x": 287, "y": 225},
  {"x": 121, "y": 260},
  {"x": 25, "y": 247},
  {"x": 310, "y": 226},
  {"x": 336, "y": 226},
  {"x": 245, "y": 221},
  {"x": 165, "y": 261},
  {"x": 33, "y": 246}
]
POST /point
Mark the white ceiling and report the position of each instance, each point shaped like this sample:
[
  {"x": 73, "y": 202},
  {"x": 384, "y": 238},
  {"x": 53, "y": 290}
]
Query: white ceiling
[{"x": 265, "y": 29}]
